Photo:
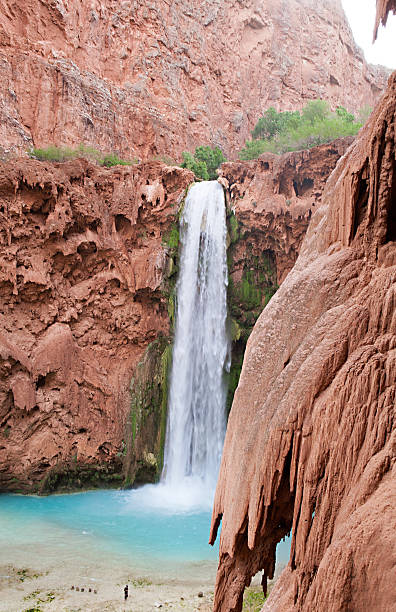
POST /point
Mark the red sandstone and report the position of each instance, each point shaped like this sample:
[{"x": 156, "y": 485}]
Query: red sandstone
[{"x": 158, "y": 78}]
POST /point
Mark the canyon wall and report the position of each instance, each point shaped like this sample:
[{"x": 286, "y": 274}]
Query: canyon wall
[
  {"x": 85, "y": 267},
  {"x": 158, "y": 78},
  {"x": 269, "y": 202},
  {"x": 311, "y": 440},
  {"x": 88, "y": 264}
]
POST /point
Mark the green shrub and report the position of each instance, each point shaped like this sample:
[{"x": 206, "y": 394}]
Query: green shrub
[
  {"x": 111, "y": 159},
  {"x": 63, "y": 154},
  {"x": 272, "y": 123},
  {"x": 291, "y": 131},
  {"x": 253, "y": 599},
  {"x": 171, "y": 238},
  {"x": 204, "y": 162}
]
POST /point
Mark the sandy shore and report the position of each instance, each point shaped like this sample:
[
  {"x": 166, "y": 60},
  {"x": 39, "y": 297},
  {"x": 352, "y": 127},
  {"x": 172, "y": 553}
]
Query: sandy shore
[{"x": 30, "y": 588}]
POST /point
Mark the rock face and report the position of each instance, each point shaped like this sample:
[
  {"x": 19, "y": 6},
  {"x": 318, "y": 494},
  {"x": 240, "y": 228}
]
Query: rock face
[
  {"x": 383, "y": 8},
  {"x": 270, "y": 202},
  {"x": 83, "y": 267},
  {"x": 273, "y": 198},
  {"x": 88, "y": 263},
  {"x": 311, "y": 439},
  {"x": 159, "y": 78}
]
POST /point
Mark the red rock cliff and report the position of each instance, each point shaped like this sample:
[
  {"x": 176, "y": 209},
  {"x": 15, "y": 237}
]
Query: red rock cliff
[
  {"x": 163, "y": 77},
  {"x": 311, "y": 438},
  {"x": 274, "y": 197},
  {"x": 82, "y": 267},
  {"x": 86, "y": 276}
]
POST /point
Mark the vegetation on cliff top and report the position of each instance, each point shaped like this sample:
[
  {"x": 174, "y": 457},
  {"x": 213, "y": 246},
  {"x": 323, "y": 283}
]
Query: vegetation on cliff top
[
  {"x": 62, "y": 154},
  {"x": 204, "y": 162},
  {"x": 287, "y": 131}
]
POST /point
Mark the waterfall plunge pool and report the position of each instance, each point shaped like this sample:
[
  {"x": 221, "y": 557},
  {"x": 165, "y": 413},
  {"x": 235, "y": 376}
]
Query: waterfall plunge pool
[
  {"x": 154, "y": 538},
  {"x": 158, "y": 531},
  {"x": 141, "y": 529},
  {"x": 153, "y": 530}
]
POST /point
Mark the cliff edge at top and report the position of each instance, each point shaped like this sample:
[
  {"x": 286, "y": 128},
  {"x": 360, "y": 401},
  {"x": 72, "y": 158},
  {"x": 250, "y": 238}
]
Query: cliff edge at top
[
  {"x": 162, "y": 77},
  {"x": 310, "y": 445}
]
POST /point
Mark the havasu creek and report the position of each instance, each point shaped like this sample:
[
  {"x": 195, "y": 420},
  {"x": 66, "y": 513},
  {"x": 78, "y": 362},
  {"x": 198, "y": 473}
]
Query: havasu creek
[{"x": 197, "y": 308}]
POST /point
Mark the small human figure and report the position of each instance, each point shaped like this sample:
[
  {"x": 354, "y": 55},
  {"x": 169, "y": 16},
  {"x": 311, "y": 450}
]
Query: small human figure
[{"x": 126, "y": 592}]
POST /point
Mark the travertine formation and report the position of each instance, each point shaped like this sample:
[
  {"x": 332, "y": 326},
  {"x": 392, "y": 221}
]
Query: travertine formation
[
  {"x": 83, "y": 261},
  {"x": 311, "y": 440},
  {"x": 87, "y": 270},
  {"x": 384, "y": 7},
  {"x": 165, "y": 76},
  {"x": 274, "y": 197}
]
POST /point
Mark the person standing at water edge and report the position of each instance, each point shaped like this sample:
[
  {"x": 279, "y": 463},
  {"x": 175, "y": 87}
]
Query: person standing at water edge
[{"x": 126, "y": 592}]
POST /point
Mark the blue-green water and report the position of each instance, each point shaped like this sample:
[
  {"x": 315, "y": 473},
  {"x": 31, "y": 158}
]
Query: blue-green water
[
  {"x": 136, "y": 528},
  {"x": 107, "y": 523}
]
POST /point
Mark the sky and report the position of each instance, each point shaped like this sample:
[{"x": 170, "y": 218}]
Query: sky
[{"x": 361, "y": 17}]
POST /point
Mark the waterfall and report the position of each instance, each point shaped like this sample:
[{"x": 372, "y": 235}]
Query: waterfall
[{"x": 196, "y": 410}]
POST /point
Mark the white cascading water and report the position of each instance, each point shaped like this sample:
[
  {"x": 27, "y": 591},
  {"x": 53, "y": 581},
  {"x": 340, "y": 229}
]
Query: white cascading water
[
  {"x": 196, "y": 411},
  {"x": 201, "y": 355}
]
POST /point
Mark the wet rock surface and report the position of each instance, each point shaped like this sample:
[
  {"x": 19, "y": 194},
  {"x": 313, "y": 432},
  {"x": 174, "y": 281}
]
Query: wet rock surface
[
  {"x": 270, "y": 203},
  {"x": 88, "y": 263},
  {"x": 83, "y": 261}
]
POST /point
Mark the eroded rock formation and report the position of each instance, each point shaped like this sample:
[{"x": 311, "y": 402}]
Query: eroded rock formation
[
  {"x": 83, "y": 268},
  {"x": 311, "y": 439},
  {"x": 158, "y": 78},
  {"x": 384, "y": 7},
  {"x": 270, "y": 202},
  {"x": 274, "y": 197},
  {"x": 88, "y": 263}
]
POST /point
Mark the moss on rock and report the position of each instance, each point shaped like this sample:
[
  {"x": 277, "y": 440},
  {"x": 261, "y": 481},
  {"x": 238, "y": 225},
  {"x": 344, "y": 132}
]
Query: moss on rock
[
  {"x": 252, "y": 283},
  {"x": 146, "y": 426}
]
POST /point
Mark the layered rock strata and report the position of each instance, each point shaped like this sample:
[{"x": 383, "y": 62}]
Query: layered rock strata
[
  {"x": 310, "y": 445},
  {"x": 159, "y": 78},
  {"x": 84, "y": 263}
]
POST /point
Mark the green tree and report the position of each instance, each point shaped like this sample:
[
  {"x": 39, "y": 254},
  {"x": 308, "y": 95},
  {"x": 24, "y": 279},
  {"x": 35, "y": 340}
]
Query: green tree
[
  {"x": 211, "y": 157},
  {"x": 204, "y": 162},
  {"x": 315, "y": 110},
  {"x": 272, "y": 123},
  {"x": 343, "y": 114},
  {"x": 198, "y": 167},
  {"x": 293, "y": 131}
]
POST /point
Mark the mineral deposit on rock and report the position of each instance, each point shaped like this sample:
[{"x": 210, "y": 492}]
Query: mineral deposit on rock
[
  {"x": 82, "y": 262},
  {"x": 311, "y": 439}
]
